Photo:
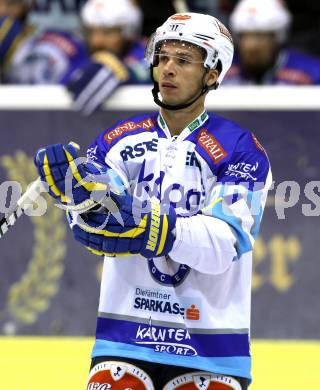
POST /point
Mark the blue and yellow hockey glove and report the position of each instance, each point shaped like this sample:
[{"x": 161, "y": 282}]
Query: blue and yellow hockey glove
[
  {"x": 126, "y": 230},
  {"x": 74, "y": 182}
]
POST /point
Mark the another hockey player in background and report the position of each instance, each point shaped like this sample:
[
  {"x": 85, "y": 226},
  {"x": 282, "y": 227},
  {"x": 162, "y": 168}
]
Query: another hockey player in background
[
  {"x": 260, "y": 29},
  {"x": 112, "y": 53},
  {"x": 174, "y": 306},
  {"x": 16, "y": 9}
]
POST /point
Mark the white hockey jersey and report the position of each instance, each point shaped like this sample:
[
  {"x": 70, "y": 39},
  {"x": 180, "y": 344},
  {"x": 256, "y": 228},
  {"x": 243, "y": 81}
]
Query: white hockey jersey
[{"x": 191, "y": 308}]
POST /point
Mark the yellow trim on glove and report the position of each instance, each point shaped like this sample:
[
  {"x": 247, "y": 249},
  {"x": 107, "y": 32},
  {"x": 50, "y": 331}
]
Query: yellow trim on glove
[
  {"x": 164, "y": 233},
  {"x": 75, "y": 173},
  {"x": 101, "y": 253},
  {"x": 51, "y": 182},
  {"x": 132, "y": 233}
]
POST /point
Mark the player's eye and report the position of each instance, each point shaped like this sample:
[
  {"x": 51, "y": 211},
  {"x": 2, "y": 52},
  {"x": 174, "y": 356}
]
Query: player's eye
[
  {"x": 163, "y": 58},
  {"x": 183, "y": 61}
]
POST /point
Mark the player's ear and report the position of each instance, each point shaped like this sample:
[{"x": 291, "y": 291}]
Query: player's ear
[{"x": 212, "y": 77}]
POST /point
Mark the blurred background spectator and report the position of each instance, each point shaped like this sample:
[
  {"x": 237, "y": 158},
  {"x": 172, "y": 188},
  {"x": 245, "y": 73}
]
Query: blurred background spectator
[
  {"x": 101, "y": 45},
  {"x": 16, "y": 9},
  {"x": 112, "y": 53},
  {"x": 260, "y": 30}
]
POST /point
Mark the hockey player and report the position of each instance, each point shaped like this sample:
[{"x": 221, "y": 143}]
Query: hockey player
[
  {"x": 111, "y": 54},
  {"x": 260, "y": 29},
  {"x": 186, "y": 193}
]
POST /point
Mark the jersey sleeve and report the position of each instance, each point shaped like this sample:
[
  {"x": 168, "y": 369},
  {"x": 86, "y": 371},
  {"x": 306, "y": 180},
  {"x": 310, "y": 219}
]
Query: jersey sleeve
[{"x": 226, "y": 227}]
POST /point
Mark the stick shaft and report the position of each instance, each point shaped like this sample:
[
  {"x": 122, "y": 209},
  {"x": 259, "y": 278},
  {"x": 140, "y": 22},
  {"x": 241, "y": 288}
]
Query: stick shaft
[{"x": 24, "y": 202}]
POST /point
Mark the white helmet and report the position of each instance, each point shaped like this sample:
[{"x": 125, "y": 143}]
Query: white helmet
[
  {"x": 113, "y": 13},
  {"x": 198, "y": 29},
  {"x": 261, "y": 15}
]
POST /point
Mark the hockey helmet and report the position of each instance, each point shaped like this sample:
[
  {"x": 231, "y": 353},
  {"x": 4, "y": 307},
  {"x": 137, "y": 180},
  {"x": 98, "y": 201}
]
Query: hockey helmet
[
  {"x": 113, "y": 13},
  {"x": 201, "y": 30},
  {"x": 264, "y": 16}
]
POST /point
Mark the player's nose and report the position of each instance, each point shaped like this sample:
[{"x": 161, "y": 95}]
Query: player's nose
[{"x": 170, "y": 67}]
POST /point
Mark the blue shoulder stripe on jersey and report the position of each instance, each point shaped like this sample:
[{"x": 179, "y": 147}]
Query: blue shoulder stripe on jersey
[
  {"x": 221, "y": 211},
  {"x": 254, "y": 202}
]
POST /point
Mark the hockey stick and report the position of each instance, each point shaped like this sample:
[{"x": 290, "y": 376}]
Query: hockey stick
[{"x": 24, "y": 203}]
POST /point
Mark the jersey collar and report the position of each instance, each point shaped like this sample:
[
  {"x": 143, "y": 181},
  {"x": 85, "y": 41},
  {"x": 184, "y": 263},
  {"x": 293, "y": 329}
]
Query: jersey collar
[{"x": 192, "y": 126}]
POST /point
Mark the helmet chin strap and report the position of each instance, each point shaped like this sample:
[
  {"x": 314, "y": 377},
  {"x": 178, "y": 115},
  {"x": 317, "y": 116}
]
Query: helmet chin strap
[{"x": 174, "y": 107}]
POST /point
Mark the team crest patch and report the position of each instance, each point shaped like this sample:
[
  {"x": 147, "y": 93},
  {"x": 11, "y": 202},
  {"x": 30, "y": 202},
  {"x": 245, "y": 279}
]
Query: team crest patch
[
  {"x": 202, "y": 381},
  {"x": 118, "y": 376}
]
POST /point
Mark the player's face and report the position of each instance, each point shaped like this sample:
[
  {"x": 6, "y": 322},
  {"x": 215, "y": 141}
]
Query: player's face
[
  {"x": 3, "y": 8},
  {"x": 257, "y": 49},
  {"x": 180, "y": 72},
  {"x": 109, "y": 39}
]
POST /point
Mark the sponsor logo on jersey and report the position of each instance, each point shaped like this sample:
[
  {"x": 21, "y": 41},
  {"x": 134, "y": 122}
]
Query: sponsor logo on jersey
[
  {"x": 146, "y": 124},
  {"x": 193, "y": 313},
  {"x": 191, "y": 160},
  {"x": 139, "y": 149},
  {"x": 159, "y": 301},
  {"x": 208, "y": 142},
  {"x": 165, "y": 307},
  {"x": 242, "y": 170},
  {"x": 174, "y": 341}
]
